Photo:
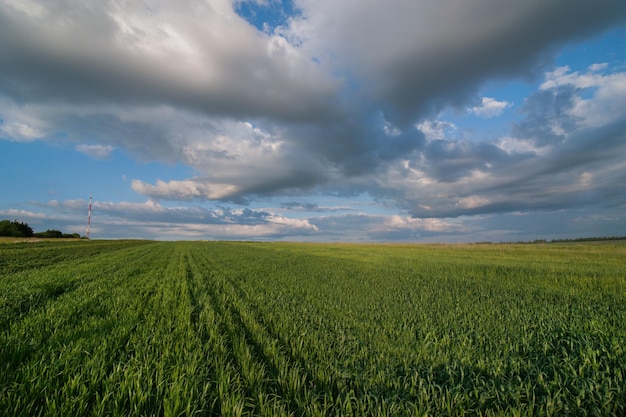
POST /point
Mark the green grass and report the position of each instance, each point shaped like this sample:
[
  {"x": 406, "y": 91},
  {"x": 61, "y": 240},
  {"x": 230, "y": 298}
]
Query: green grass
[{"x": 225, "y": 328}]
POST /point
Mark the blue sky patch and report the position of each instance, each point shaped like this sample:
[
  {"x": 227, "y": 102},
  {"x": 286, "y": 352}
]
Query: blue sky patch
[{"x": 268, "y": 15}]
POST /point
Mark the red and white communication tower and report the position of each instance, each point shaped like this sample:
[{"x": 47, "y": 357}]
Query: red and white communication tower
[{"x": 89, "y": 216}]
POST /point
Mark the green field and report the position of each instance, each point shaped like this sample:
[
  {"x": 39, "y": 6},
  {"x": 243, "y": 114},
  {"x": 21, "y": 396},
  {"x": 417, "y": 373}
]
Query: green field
[{"x": 232, "y": 328}]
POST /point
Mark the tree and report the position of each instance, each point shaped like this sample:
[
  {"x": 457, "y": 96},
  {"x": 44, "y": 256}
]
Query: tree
[{"x": 15, "y": 229}]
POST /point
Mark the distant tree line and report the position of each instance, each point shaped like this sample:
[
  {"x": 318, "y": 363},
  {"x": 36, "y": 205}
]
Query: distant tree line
[
  {"x": 590, "y": 239},
  {"x": 52, "y": 234},
  {"x": 578, "y": 239},
  {"x": 17, "y": 229}
]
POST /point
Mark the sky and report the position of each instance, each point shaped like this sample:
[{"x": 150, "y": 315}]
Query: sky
[{"x": 315, "y": 120}]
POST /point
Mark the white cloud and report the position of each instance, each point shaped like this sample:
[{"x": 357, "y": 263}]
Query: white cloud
[
  {"x": 391, "y": 130},
  {"x": 412, "y": 223},
  {"x": 20, "y": 132},
  {"x": 18, "y": 123},
  {"x": 197, "y": 222},
  {"x": 21, "y": 214},
  {"x": 95, "y": 151},
  {"x": 598, "y": 67},
  {"x": 472, "y": 202},
  {"x": 556, "y": 77},
  {"x": 513, "y": 145},
  {"x": 490, "y": 107},
  {"x": 154, "y": 220},
  {"x": 436, "y": 129},
  {"x": 278, "y": 219},
  {"x": 606, "y": 100},
  {"x": 607, "y": 104},
  {"x": 184, "y": 190}
]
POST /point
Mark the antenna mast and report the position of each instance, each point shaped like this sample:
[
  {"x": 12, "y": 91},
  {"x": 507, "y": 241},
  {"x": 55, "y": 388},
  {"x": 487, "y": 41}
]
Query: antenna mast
[{"x": 89, "y": 217}]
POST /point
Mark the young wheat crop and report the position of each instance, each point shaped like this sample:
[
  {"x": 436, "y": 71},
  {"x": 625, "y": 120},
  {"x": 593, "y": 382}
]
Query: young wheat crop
[{"x": 271, "y": 329}]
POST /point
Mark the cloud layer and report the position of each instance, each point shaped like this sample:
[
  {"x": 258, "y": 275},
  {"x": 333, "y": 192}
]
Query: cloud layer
[{"x": 339, "y": 99}]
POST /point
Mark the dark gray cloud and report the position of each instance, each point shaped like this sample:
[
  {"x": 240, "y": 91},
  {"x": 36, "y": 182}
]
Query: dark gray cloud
[
  {"x": 419, "y": 57},
  {"x": 313, "y": 207},
  {"x": 450, "y": 160},
  {"x": 548, "y": 116},
  {"x": 584, "y": 169}
]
